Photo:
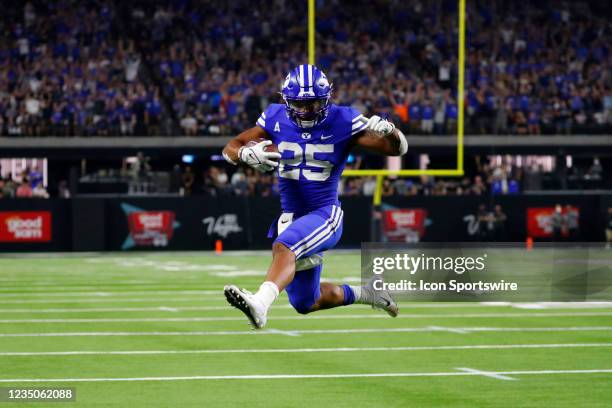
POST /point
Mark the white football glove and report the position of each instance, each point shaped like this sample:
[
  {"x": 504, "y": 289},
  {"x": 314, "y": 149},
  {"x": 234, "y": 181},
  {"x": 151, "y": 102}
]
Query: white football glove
[
  {"x": 257, "y": 157},
  {"x": 377, "y": 124}
]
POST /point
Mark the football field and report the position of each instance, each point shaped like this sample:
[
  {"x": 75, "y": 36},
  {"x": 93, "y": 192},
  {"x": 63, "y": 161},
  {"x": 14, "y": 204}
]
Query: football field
[{"x": 153, "y": 330}]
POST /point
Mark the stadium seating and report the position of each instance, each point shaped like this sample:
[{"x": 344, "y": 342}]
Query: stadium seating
[{"x": 162, "y": 68}]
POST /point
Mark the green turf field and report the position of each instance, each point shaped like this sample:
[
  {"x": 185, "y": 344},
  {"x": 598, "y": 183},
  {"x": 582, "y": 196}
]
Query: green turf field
[{"x": 153, "y": 330}]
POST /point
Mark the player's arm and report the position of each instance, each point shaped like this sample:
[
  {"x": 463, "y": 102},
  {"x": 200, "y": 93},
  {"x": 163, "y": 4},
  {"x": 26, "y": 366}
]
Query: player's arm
[
  {"x": 236, "y": 150},
  {"x": 382, "y": 137}
]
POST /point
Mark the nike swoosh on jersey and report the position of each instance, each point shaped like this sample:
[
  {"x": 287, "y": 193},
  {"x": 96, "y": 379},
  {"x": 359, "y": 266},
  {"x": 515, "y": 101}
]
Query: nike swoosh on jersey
[{"x": 326, "y": 137}]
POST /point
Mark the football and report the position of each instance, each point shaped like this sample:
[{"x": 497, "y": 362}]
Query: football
[{"x": 269, "y": 148}]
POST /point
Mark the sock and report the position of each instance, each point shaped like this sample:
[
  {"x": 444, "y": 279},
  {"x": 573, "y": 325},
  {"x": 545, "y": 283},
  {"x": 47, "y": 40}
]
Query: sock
[
  {"x": 267, "y": 293},
  {"x": 357, "y": 293},
  {"x": 349, "y": 295},
  {"x": 363, "y": 295}
]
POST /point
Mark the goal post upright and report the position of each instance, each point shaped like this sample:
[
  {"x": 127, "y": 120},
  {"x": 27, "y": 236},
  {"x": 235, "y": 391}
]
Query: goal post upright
[
  {"x": 311, "y": 32},
  {"x": 460, "y": 85}
]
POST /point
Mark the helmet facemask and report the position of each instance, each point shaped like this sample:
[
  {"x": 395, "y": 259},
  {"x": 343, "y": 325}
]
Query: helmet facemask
[{"x": 307, "y": 113}]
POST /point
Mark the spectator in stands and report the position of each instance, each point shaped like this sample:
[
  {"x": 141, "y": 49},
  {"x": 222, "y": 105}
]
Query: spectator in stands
[
  {"x": 387, "y": 188},
  {"x": 450, "y": 114},
  {"x": 478, "y": 188},
  {"x": 35, "y": 177},
  {"x": 189, "y": 123},
  {"x": 239, "y": 182},
  {"x": 9, "y": 189},
  {"x": 572, "y": 223},
  {"x": 175, "y": 179},
  {"x": 427, "y": 117},
  {"x": 40, "y": 191},
  {"x": 188, "y": 179},
  {"x": 24, "y": 190},
  {"x": 369, "y": 186}
]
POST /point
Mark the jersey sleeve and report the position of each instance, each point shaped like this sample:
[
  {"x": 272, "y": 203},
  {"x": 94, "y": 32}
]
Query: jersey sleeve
[
  {"x": 358, "y": 121},
  {"x": 262, "y": 120},
  {"x": 267, "y": 118}
]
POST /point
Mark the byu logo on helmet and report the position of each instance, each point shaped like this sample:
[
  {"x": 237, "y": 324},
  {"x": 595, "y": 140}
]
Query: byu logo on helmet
[{"x": 306, "y": 92}]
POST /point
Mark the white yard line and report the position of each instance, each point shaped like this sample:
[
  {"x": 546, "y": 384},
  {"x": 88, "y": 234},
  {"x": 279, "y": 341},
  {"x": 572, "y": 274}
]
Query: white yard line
[
  {"x": 168, "y": 309},
  {"x": 486, "y": 373},
  {"x": 562, "y": 305},
  {"x": 448, "y": 329},
  {"x": 163, "y": 308},
  {"x": 312, "y": 331},
  {"x": 151, "y": 299},
  {"x": 303, "y": 376},
  {"x": 299, "y": 317},
  {"x": 285, "y": 332},
  {"x": 301, "y": 350},
  {"x": 116, "y": 293},
  {"x": 581, "y": 305}
]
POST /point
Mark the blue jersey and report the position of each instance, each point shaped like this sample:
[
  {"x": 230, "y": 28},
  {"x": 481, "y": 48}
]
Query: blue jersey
[{"x": 312, "y": 159}]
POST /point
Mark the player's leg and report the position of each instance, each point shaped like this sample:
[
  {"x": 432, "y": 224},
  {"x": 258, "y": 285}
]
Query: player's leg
[
  {"x": 332, "y": 295},
  {"x": 308, "y": 236},
  {"x": 319, "y": 228},
  {"x": 279, "y": 275},
  {"x": 304, "y": 291},
  {"x": 307, "y": 294}
]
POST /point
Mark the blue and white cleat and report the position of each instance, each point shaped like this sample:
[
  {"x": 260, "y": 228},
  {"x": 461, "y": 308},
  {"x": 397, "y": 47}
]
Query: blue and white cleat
[{"x": 244, "y": 301}]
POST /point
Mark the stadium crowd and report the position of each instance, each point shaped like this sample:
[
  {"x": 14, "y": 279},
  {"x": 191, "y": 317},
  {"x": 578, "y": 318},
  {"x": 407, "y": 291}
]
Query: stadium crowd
[{"x": 169, "y": 67}]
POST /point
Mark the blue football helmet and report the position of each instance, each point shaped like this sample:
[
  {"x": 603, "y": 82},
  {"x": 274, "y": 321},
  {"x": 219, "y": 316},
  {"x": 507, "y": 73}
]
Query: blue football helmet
[{"x": 306, "y": 92}]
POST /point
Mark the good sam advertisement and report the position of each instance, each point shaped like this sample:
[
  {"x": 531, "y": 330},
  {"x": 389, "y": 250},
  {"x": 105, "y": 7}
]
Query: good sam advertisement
[{"x": 25, "y": 226}]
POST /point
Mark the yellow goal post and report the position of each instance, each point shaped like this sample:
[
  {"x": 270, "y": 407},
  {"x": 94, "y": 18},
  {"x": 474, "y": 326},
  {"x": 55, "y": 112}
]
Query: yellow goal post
[{"x": 381, "y": 173}]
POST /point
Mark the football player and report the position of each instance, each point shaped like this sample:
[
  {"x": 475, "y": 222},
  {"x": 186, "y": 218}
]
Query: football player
[{"x": 313, "y": 138}]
